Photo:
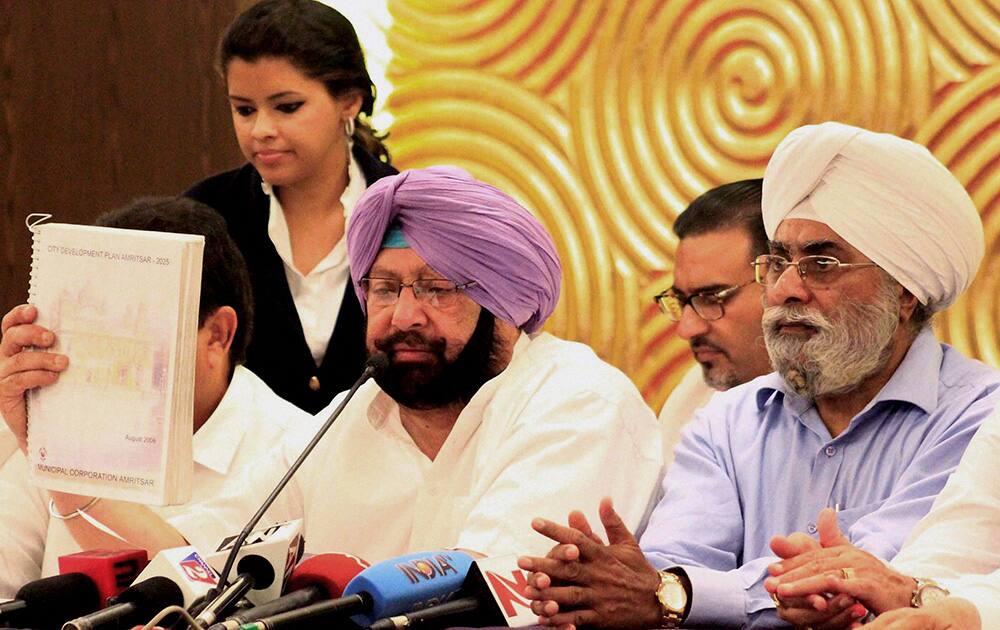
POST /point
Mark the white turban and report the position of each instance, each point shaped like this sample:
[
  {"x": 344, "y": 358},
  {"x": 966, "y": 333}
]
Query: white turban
[{"x": 888, "y": 197}]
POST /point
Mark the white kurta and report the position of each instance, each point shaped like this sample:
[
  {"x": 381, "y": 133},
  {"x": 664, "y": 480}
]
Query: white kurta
[
  {"x": 248, "y": 422},
  {"x": 8, "y": 444},
  {"x": 557, "y": 430},
  {"x": 958, "y": 542}
]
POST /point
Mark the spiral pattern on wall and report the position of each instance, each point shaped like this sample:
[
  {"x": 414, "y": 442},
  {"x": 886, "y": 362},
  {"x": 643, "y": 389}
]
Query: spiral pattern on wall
[
  {"x": 459, "y": 126},
  {"x": 606, "y": 118},
  {"x": 534, "y": 43},
  {"x": 964, "y": 133}
]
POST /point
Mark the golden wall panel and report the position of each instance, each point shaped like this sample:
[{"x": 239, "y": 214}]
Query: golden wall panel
[{"x": 606, "y": 117}]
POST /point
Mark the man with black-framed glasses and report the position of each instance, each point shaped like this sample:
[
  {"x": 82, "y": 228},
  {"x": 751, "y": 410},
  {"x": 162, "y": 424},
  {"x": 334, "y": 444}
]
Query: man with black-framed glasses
[
  {"x": 866, "y": 415},
  {"x": 714, "y": 300}
]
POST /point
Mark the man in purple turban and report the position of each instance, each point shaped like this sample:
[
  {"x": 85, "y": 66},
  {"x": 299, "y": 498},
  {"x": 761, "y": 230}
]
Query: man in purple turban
[{"x": 479, "y": 423}]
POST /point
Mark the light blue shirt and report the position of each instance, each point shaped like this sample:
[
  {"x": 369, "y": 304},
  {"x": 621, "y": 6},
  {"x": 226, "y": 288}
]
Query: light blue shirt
[{"x": 758, "y": 461}]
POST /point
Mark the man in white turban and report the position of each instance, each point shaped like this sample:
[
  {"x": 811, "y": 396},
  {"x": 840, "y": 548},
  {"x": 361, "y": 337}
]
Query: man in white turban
[
  {"x": 918, "y": 225},
  {"x": 867, "y": 412}
]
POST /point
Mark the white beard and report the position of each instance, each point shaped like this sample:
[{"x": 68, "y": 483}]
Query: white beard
[{"x": 843, "y": 352}]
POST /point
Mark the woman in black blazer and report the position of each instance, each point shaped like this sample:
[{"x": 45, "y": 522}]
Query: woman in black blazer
[{"x": 300, "y": 97}]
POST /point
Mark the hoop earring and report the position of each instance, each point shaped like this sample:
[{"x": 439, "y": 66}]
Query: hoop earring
[{"x": 349, "y": 127}]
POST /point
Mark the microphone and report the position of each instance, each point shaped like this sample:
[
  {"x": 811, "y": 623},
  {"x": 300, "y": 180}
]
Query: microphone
[
  {"x": 139, "y": 601},
  {"x": 185, "y": 567},
  {"x": 375, "y": 364},
  {"x": 253, "y": 571},
  {"x": 112, "y": 571},
  {"x": 494, "y": 597},
  {"x": 280, "y": 545},
  {"x": 320, "y": 577},
  {"x": 391, "y": 587},
  {"x": 46, "y": 603}
]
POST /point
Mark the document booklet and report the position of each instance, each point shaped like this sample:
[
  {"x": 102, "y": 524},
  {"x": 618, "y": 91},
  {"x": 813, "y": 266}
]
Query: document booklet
[{"x": 123, "y": 305}]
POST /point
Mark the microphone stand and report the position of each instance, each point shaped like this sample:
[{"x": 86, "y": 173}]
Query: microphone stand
[{"x": 375, "y": 364}]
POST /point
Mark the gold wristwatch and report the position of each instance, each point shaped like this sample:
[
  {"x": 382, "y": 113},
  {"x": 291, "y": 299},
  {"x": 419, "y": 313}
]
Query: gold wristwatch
[
  {"x": 927, "y": 591},
  {"x": 673, "y": 599}
]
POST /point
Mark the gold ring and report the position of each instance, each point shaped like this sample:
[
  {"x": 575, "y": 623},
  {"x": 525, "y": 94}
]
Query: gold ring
[
  {"x": 777, "y": 602},
  {"x": 847, "y": 573}
]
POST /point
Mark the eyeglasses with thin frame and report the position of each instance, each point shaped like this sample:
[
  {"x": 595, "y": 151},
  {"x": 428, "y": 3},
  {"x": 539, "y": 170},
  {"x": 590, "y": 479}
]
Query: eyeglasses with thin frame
[
  {"x": 381, "y": 292},
  {"x": 708, "y": 305},
  {"x": 814, "y": 270}
]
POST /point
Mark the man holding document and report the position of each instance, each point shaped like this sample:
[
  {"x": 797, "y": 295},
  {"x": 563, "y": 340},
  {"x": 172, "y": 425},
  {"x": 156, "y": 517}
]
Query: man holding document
[
  {"x": 479, "y": 422},
  {"x": 237, "y": 418}
]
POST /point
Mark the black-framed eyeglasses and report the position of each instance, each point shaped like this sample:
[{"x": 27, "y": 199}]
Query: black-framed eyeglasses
[
  {"x": 708, "y": 305},
  {"x": 814, "y": 270},
  {"x": 380, "y": 292}
]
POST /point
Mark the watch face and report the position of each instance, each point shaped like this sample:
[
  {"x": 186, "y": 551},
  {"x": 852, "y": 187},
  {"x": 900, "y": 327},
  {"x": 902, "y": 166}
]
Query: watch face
[
  {"x": 931, "y": 593},
  {"x": 672, "y": 596}
]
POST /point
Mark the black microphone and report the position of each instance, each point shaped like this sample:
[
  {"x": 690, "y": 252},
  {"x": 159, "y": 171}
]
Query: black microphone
[
  {"x": 253, "y": 572},
  {"x": 320, "y": 577},
  {"x": 375, "y": 364},
  {"x": 46, "y": 603},
  {"x": 136, "y": 603}
]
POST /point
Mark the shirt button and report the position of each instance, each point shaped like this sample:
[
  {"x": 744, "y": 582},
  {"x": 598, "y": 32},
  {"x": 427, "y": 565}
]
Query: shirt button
[
  {"x": 811, "y": 528},
  {"x": 831, "y": 451},
  {"x": 314, "y": 383}
]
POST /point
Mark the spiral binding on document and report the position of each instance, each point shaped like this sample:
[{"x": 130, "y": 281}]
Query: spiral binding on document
[{"x": 32, "y": 221}]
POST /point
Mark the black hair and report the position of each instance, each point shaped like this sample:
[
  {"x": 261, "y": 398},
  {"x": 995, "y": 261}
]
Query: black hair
[
  {"x": 224, "y": 277},
  {"x": 733, "y": 205},
  {"x": 317, "y": 40}
]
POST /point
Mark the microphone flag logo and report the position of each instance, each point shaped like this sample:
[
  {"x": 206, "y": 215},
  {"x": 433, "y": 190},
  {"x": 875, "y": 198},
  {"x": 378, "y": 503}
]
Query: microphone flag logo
[
  {"x": 197, "y": 570},
  {"x": 426, "y": 568},
  {"x": 509, "y": 591}
]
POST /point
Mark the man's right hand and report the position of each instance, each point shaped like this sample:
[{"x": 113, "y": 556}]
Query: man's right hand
[{"x": 21, "y": 370}]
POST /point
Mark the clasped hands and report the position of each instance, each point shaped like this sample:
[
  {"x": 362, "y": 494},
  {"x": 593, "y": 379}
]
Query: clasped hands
[
  {"x": 816, "y": 578},
  {"x": 583, "y": 581},
  {"x": 823, "y": 585}
]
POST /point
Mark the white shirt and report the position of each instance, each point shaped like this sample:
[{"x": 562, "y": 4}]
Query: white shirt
[
  {"x": 318, "y": 294},
  {"x": 248, "y": 422},
  {"x": 687, "y": 397},
  {"x": 958, "y": 542},
  {"x": 8, "y": 443},
  {"x": 557, "y": 430}
]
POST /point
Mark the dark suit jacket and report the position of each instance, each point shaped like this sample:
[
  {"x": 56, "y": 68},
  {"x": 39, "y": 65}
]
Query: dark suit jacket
[{"x": 278, "y": 352}]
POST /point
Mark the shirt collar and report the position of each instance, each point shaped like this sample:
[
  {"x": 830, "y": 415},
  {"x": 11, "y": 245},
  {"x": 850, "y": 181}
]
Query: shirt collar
[
  {"x": 277, "y": 227},
  {"x": 915, "y": 380},
  {"x": 215, "y": 444},
  {"x": 382, "y": 407}
]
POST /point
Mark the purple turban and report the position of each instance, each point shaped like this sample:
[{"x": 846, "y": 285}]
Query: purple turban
[{"x": 468, "y": 231}]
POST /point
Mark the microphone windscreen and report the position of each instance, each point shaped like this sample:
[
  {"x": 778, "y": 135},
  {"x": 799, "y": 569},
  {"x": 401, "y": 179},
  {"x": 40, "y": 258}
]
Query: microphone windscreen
[
  {"x": 410, "y": 582},
  {"x": 52, "y": 600},
  {"x": 259, "y": 569},
  {"x": 152, "y": 595},
  {"x": 376, "y": 363},
  {"x": 112, "y": 571},
  {"x": 330, "y": 571}
]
